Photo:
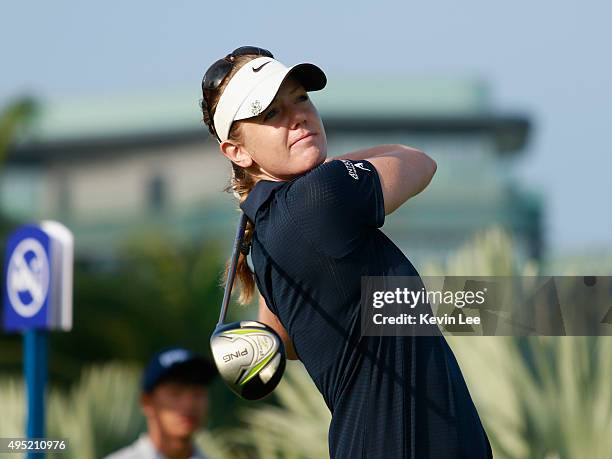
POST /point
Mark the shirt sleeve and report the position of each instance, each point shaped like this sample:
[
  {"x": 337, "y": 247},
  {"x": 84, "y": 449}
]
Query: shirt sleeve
[{"x": 336, "y": 204}]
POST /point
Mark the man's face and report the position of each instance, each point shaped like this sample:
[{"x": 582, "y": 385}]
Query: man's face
[{"x": 177, "y": 408}]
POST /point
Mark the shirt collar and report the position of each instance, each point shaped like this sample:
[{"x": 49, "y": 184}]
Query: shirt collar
[
  {"x": 259, "y": 195},
  {"x": 145, "y": 448}
]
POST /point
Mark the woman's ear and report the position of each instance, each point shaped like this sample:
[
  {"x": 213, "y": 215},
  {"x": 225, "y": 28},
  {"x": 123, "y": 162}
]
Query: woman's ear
[{"x": 236, "y": 153}]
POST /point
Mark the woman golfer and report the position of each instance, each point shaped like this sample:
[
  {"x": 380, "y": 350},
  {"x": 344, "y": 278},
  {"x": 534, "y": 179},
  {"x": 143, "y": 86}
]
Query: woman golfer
[{"x": 313, "y": 232}]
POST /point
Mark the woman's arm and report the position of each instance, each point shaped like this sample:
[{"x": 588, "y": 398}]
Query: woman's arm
[
  {"x": 371, "y": 152},
  {"x": 267, "y": 317},
  {"x": 404, "y": 171}
]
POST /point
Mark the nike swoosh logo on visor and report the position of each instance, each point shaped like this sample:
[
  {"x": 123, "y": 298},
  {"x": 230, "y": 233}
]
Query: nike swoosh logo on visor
[{"x": 257, "y": 69}]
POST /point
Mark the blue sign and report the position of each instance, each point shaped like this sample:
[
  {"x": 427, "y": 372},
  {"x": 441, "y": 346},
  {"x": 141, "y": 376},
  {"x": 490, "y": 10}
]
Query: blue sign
[
  {"x": 27, "y": 280},
  {"x": 38, "y": 298}
]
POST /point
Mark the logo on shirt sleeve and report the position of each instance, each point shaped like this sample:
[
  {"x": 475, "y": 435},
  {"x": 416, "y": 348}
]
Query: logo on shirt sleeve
[
  {"x": 351, "y": 168},
  {"x": 362, "y": 167}
]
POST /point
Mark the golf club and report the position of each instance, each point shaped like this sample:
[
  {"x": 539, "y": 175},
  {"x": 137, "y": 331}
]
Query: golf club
[{"x": 249, "y": 355}]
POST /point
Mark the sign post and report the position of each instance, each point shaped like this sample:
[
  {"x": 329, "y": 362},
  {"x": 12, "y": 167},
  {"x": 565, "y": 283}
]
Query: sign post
[
  {"x": 38, "y": 298},
  {"x": 35, "y": 369}
]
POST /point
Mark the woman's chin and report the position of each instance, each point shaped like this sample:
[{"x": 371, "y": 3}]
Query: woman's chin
[
  {"x": 301, "y": 162},
  {"x": 313, "y": 162},
  {"x": 312, "y": 156}
]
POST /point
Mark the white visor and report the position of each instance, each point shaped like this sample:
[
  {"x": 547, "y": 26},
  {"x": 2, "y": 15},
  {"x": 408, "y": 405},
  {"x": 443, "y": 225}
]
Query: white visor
[{"x": 253, "y": 88}]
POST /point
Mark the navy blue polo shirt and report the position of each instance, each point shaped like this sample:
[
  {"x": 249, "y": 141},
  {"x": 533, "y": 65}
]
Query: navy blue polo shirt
[{"x": 390, "y": 397}]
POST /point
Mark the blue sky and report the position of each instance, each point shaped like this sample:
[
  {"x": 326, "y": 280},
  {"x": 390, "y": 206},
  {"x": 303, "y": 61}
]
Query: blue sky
[{"x": 546, "y": 59}]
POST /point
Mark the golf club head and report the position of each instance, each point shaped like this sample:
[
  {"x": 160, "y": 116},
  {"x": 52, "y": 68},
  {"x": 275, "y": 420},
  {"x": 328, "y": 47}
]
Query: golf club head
[{"x": 250, "y": 357}]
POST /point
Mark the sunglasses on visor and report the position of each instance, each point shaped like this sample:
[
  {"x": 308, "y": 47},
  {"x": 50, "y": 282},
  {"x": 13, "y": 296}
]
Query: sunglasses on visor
[{"x": 217, "y": 72}]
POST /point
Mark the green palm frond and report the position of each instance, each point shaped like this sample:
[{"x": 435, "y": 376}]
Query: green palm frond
[
  {"x": 295, "y": 428},
  {"x": 12, "y": 401},
  {"x": 489, "y": 253},
  {"x": 538, "y": 397}
]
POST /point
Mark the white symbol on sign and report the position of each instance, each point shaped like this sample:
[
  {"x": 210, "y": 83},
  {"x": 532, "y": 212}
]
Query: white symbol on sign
[{"x": 28, "y": 277}]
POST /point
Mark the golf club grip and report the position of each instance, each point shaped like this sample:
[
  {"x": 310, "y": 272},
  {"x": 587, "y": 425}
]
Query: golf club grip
[{"x": 231, "y": 274}]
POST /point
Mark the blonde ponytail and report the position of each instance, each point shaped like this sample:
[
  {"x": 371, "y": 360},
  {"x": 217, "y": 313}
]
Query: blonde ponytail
[
  {"x": 241, "y": 185},
  {"x": 241, "y": 182}
]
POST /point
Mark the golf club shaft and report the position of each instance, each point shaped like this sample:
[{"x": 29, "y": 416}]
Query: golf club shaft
[{"x": 231, "y": 274}]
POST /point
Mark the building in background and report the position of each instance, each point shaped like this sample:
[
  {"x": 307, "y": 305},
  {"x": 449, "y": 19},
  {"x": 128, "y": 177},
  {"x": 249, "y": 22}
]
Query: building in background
[{"x": 112, "y": 167}]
